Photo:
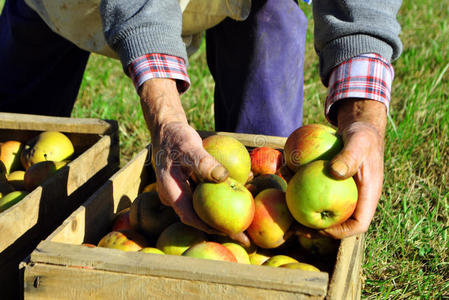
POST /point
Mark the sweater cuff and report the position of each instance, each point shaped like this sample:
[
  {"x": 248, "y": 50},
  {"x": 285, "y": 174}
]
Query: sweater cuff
[
  {"x": 158, "y": 65},
  {"x": 367, "y": 76}
]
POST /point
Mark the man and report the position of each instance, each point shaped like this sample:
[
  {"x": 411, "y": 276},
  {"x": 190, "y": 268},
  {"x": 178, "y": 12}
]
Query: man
[{"x": 256, "y": 58}]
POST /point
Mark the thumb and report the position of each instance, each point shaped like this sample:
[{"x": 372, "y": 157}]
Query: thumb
[
  {"x": 348, "y": 161},
  {"x": 205, "y": 166}
]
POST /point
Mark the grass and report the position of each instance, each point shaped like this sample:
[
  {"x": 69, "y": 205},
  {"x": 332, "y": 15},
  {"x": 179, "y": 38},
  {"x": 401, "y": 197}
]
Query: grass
[{"x": 407, "y": 244}]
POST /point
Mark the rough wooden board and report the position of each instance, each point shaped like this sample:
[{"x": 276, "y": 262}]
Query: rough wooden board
[
  {"x": 46, "y": 123},
  {"x": 93, "y": 218},
  {"x": 45, "y": 281},
  {"x": 49, "y": 198},
  {"x": 176, "y": 267},
  {"x": 251, "y": 140},
  {"x": 345, "y": 281}
]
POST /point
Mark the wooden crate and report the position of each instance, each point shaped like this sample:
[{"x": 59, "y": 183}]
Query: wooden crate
[
  {"x": 60, "y": 268},
  {"x": 25, "y": 224}
]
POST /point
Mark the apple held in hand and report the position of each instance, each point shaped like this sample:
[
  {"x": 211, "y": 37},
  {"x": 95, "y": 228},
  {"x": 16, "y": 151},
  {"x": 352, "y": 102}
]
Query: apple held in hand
[
  {"x": 210, "y": 250},
  {"x": 271, "y": 219},
  {"x": 231, "y": 153},
  {"x": 227, "y": 206},
  {"x": 309, "y": 143},
  {"x": 265, "y": 160},
  {"x": 317, "y": 200}
]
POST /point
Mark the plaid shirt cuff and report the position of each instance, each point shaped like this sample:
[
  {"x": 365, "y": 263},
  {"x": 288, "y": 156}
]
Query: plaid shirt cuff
[
  {"x": 158, "y": 65},
  {"x": 368, "y": 76}
]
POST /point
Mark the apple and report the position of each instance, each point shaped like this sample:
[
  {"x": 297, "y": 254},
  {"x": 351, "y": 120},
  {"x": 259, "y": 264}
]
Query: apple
[
  {"x": 309, "y": 143},
  {"x": 178, "y": 237},
  {"x": 300, "y": 266},
  {"x": 121, "y": 241},
  {"x": 285, "y": 173},
  {"x": 265, "y": 160},
  {"x": 319, "y": 245},
  {"x": 279, "y": 260},
  {"x": 222, "y": 239},
  {"x": 121, "y": 221},
  {"x": 149, "y": 215},
  {"x": 151, "y": 250},
  {"x": 150, "y": 187},
  {"x": 231, "y": 153},
  {"x": 5, "y": 188},
  {"x": 10, "y": 155},
  {"x": 239, "y": 253},
  {"x": 17, "y": 179},
  {"x": 263, "y": 182},
  {"x": 259, "y": 257},
  {"x": 317, "y": 200},
  {"x": 36, "y": 174},
  {"x": 210, "y": 250},
  {"x": 88, "y": 245},
  {"x": 226, "y": 206},
  {"x": 10, "y": 199},
  {"x": 271, "y": 219},
  {"x": 49, "y": 145}
]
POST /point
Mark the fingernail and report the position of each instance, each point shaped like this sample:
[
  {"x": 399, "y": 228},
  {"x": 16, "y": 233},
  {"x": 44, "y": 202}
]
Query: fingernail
[
  {"x": 340, "y": 168},
  {"x": 219, "y": 173}
]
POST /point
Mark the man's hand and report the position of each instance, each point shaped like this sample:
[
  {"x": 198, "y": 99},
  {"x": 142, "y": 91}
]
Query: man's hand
[
  {"x": 177, "y": 151},
  {"x": 362, "y": 125}
]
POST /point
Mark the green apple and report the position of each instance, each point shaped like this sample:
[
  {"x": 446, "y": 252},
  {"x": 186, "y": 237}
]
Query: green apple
[
  {"x": 10, "y": 199},
  {"x": 279, "y": 260},
  {"x": 231, "y": 153},
  {"x": 239, "y": 252},
  {"x": 178, "y": 237},
  {"x": 227, "y": 206},
  {"x": 317, "y": 200}
]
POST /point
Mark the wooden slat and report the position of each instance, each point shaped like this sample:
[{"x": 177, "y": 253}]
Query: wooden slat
[
  {"x": 46, "y": 123},
  {"x": 174, "y": 267},
  {"x": 345, "y": 281}
]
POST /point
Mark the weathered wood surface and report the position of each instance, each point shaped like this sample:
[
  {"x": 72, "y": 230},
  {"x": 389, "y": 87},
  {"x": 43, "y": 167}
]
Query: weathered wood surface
[
  {"x": 46, "y": 123},
  {"x": 102, "y": 270},
  {"x": 346, "y": 279}
]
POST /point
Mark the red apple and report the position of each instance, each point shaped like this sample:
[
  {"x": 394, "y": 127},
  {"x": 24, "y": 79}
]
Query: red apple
[
  {"x": 265, "y": 160},
  {"x": 239, "y": 252},
  {"x": 309, "y": 143},
  {"x": 271, "y": 219},
  {"x": 178, "y": 237},
  {"x": 231, "y": 153},
  {"x": 227, "y": 206},
  {"x": 317, "y": 200},
  {"x": 121, "y": 221},
  {"x": 121, "y": 241},
  {"x": 210, "y": 250},
  {"x": 263, "y": 182}
]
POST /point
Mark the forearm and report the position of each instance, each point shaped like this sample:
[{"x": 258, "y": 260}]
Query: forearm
[{"x": 160, "y": 101}]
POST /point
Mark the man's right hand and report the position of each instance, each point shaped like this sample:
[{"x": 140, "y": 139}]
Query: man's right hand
[{"x": 177, "y": 152}]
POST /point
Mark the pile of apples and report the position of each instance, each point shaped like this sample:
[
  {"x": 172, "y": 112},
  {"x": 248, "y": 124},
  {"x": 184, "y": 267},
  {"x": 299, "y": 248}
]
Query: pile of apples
[
  {"x": 25, "y": 166},
  {"x": 268, "y": 194}
]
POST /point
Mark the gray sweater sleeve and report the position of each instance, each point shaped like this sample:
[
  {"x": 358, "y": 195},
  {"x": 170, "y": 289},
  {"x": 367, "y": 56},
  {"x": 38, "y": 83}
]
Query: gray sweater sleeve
[
  {"x": 137, "y": 27},
  {"x": 347, "y": 28}
]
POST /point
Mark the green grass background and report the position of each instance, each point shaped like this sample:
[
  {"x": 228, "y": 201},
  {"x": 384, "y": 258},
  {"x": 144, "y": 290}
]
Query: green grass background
[{"x": 407, "y": 245}]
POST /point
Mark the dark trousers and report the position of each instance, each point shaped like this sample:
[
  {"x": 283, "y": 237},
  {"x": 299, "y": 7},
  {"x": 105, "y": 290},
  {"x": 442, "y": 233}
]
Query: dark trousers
[{"x": 257, "y": 66}]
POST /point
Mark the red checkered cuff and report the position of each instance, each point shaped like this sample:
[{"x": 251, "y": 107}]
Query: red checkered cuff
[
  {"x": 158, "y": 65},
  {"x": 368, "y": 76}
]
